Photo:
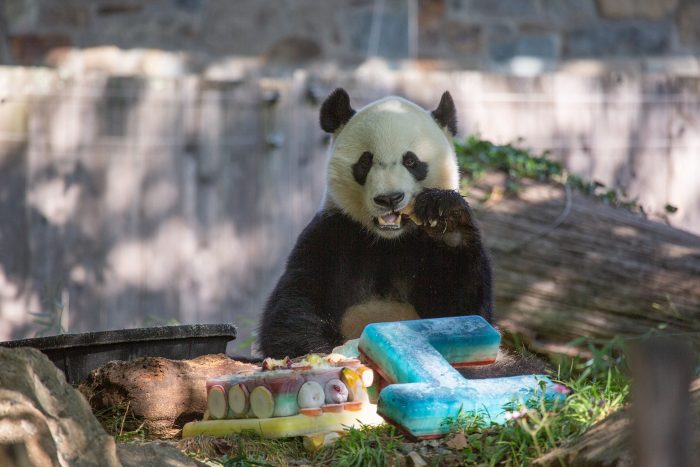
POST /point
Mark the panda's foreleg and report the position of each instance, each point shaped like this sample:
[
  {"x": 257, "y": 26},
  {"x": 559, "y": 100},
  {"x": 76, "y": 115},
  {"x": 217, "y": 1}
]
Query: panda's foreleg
[
  {"x": 291, "y": 326},
  {"x": 446, "y": 217}
]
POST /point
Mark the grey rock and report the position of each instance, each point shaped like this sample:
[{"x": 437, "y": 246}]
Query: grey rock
[
  {"x": 406, "y": 448},
  {"x": 39, "y": 410},
  {"x": 413, "y": 459},
  {"x": 14, "y": 455},
  {"x": 154, "y": 454}
]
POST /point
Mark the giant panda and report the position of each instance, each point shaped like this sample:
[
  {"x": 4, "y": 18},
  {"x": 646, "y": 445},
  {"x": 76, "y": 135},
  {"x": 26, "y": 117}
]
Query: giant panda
[{"x": 394, "y": 239}]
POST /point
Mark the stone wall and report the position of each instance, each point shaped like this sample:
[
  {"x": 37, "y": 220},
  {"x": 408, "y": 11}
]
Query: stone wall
[{"x": 525, "y": 36}]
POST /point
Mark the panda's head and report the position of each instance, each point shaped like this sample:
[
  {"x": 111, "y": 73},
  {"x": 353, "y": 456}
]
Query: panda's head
[{"x": 383, "y": 155}]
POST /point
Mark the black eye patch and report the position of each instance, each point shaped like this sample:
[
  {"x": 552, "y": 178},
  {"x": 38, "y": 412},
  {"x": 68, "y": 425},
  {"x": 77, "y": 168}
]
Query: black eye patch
[
  {"x": 417, "y": 167},
  {"x": 360, "y": 169}
]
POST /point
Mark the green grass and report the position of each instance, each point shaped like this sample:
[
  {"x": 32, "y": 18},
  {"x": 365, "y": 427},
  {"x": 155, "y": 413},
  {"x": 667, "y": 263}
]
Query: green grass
[
  {"x": 542, "y": 425},
  {"x": 372, "y": 446},
  {"x": 245, "y": 449},
  {"x": 120, "y": 422},
  {"x": 366, "y": 446}
]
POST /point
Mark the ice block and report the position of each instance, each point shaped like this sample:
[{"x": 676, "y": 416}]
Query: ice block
[
  {"x": 418, "y": 360},
  {"x": 283, "y": 427}
]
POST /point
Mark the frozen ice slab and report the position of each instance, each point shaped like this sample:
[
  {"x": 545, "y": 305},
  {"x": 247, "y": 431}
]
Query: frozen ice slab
[
  {"x": 427, "y": 350},
  {"x": 316, "y": 394},
  {"x": 419, "y": 359},
  {"x": 283, "y": 427}
]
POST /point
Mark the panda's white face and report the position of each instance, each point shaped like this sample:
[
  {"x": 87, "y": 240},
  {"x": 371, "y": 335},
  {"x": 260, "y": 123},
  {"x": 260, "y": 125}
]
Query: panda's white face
[{"x": 385, "y": 155}]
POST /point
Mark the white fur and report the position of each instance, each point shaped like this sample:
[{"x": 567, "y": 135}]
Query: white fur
[{"x": 387, "y": 128}]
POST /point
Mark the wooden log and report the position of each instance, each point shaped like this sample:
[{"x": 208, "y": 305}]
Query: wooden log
[
  {"x": 662, "y": 370},
  {"x": 601, "y": 271}
]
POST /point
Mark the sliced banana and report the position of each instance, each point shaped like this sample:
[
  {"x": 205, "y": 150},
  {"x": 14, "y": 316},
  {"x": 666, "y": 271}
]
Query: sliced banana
[
  {"x": 216, "y": 402},
  {"x": 262, "y": 402},
  {"x": 238, "y": 400}
]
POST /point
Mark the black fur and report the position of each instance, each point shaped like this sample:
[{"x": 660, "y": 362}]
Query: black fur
[
  {"x": 361, "y": 168},
  {"x": 446, "y": 114},
  {"x": 336, "y": 111},
  {"x": 337, "y": 263},
  {"x": 417, "y": 167}
]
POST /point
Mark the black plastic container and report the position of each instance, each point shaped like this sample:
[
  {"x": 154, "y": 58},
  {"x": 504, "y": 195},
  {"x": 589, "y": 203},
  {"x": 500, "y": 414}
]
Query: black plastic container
[{"x": 78, "y": 354}]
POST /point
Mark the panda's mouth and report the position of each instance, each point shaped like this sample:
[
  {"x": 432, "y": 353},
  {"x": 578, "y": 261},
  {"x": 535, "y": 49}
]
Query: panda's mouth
[{"x": 390, "y": 221}]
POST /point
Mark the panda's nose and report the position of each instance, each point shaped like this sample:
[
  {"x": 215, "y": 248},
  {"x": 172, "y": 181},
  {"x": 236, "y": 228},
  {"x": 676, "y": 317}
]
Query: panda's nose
[{"x": 389, "y": 200}]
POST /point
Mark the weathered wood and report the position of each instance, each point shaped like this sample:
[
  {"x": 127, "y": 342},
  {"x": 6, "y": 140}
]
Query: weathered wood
[
  {"x": 662, "y": 370},
  {"x": 602, "y": 272}
]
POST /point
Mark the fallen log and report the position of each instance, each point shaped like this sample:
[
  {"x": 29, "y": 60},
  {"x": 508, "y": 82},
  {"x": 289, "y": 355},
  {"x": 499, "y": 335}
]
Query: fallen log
[{"x": 567, "y": 265}]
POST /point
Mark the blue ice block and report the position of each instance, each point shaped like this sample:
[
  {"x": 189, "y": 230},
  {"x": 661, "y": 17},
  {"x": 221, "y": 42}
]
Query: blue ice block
[{"x": 420, "y": 356}]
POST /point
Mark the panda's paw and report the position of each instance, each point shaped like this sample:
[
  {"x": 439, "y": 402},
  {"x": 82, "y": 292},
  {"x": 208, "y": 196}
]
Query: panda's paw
[{"x": 441, "y": 211}]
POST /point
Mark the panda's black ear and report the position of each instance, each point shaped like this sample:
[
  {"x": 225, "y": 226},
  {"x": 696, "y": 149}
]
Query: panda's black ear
[
  {"x": 336, "y": 110},
  {"x": 446, "y": 114}
]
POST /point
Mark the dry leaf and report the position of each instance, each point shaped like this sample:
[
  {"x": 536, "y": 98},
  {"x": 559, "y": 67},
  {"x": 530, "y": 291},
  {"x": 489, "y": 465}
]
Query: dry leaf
[{"x": 459, "y": 442}]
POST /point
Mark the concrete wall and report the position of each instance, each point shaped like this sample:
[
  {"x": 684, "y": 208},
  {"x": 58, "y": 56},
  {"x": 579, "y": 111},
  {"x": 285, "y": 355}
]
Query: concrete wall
[
  {"x": 524, "y": 36},
  {"x": 129, "y": 201}
]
